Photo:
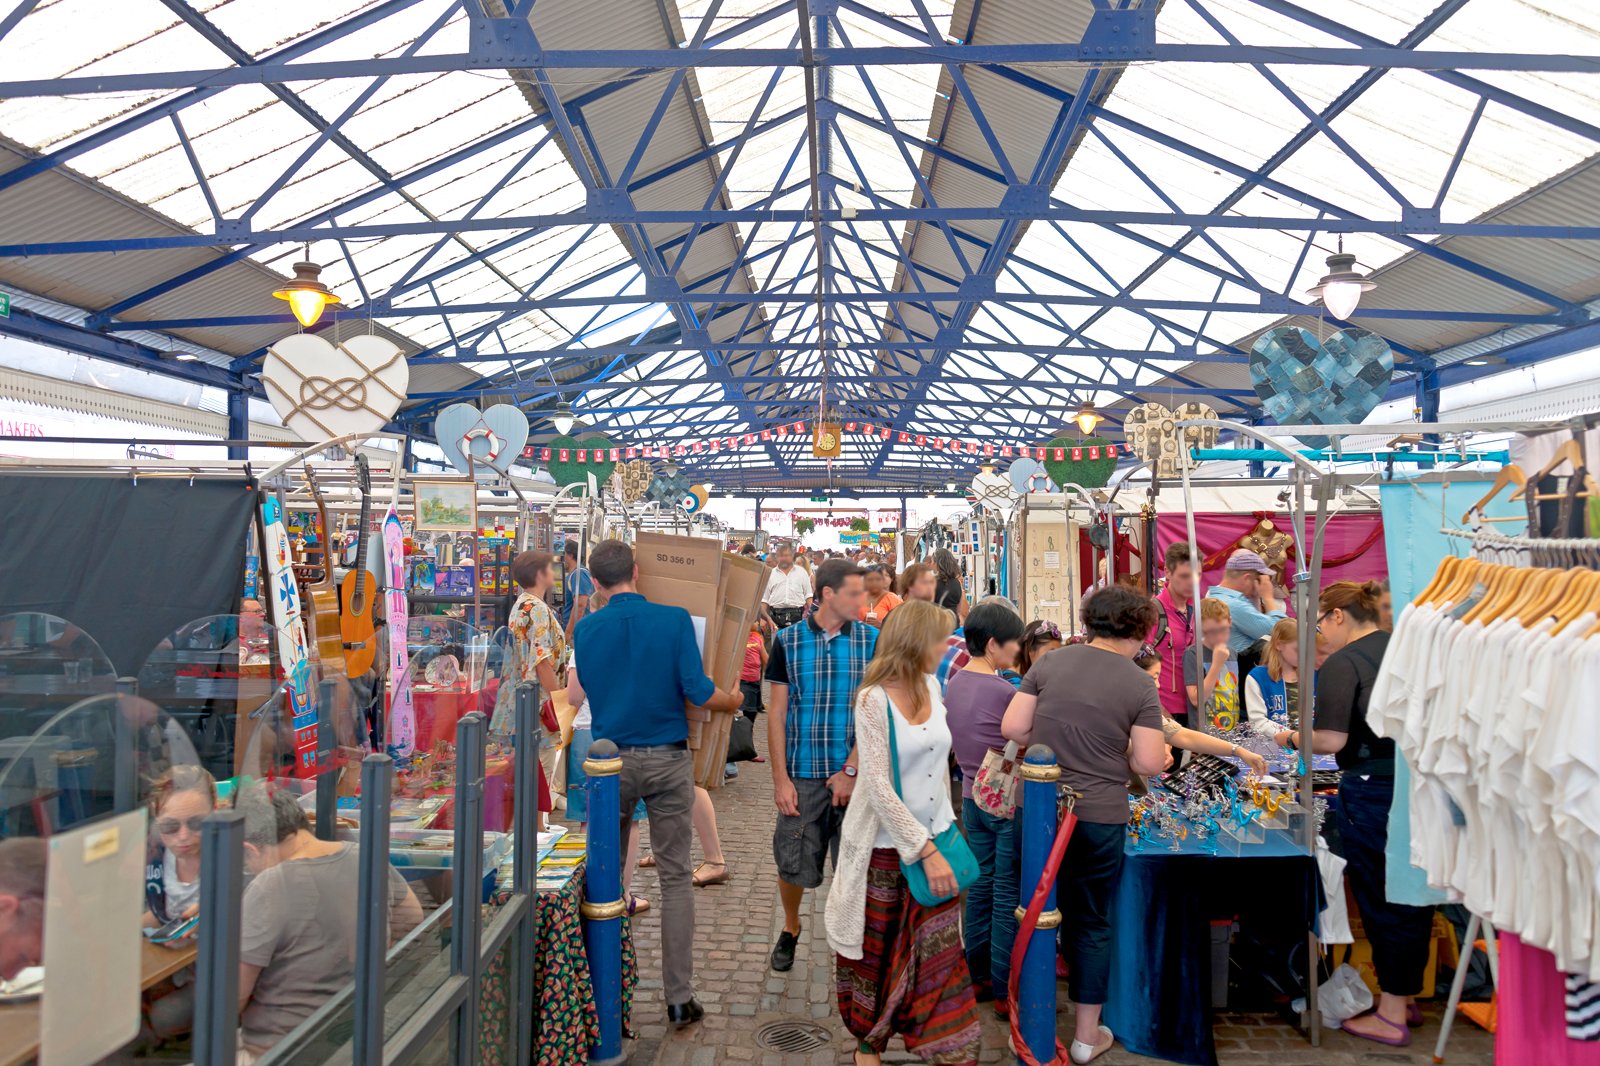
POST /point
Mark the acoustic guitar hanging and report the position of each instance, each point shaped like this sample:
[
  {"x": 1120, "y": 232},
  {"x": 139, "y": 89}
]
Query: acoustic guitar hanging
[
  {"x": 358, "y": 622},
  {"x": 323, "y": 595}
]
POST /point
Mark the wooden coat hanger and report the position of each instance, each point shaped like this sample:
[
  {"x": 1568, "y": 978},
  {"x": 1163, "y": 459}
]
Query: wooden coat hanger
[
  {"x": 1569, "y": 452},
  {"x": 1510, "y": 474},
  {"x": 1580, "y": 598},
  {"x": 1441, "y": 578}
]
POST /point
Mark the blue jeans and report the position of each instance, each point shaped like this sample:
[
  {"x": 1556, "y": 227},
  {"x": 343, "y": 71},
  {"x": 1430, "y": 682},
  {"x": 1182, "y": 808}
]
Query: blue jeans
[{"x": 991, "y": 923}]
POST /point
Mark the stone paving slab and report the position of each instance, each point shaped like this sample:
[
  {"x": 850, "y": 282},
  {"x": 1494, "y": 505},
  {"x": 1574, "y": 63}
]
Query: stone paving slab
[{"x": 737, "y": 923}]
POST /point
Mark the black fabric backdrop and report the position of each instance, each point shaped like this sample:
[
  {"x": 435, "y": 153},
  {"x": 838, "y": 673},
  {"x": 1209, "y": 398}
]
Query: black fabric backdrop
[{"x": 127, "y": 563}]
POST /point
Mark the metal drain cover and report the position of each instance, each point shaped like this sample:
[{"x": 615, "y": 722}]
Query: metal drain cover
[{"x": 793, "y": 1036}]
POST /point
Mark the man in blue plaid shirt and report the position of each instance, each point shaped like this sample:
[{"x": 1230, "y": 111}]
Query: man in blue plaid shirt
[{"x": 815, "y": 669}]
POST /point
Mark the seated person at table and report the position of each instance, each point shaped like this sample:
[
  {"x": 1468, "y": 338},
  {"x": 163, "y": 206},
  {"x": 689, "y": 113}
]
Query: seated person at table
[
  {"x": 180, "y": 800},
  {"x": 1216, "y": 692},
  {"x": 23, "y": 864},
  {"x": 298, "y": 944}
]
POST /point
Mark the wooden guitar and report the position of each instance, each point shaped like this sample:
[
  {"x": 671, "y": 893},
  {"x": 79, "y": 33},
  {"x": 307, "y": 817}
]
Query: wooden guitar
[
  {"x": 323, "y": 597},
  {"x": 358, "y": 623}
]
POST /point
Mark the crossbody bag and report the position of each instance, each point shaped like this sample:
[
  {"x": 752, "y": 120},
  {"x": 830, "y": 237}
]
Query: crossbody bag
[{"x": 951, "y": 844}]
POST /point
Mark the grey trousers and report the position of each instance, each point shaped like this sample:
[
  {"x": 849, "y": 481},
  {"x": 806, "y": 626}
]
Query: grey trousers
[{"x": 664, "y": 779}]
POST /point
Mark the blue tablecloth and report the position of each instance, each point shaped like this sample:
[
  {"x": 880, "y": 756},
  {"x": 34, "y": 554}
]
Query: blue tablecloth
[{"x": 1160, "y": 1001}]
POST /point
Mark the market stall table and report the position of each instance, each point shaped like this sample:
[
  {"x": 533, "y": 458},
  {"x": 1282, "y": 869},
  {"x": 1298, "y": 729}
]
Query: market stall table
[
  {"x": 1160, "y": 997},
  {"x": 19, "y": 1022},
  {"x": 567, "y": 1017}
]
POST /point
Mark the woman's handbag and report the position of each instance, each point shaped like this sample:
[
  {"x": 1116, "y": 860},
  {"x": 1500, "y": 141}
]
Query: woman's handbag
[
  {"x": 951, "y": 844},
  {"x": 995, "y": 789}
]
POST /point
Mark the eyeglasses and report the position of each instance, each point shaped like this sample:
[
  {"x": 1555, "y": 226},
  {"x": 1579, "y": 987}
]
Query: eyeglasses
[
  {"x": 1323, "y": 617},
  {"x": 169, "y": 826}
]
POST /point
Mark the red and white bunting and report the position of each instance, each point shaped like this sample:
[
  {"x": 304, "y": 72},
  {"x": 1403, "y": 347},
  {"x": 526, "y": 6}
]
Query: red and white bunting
[{"x": 718, "y": 445}]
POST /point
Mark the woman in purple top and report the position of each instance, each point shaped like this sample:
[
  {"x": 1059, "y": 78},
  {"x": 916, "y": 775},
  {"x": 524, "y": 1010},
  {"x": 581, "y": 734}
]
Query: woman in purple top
[{"x": 975, "y": 701}]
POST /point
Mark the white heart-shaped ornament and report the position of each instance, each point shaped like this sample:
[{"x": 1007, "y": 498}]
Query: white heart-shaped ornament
[{"x": 324, "y": 390}]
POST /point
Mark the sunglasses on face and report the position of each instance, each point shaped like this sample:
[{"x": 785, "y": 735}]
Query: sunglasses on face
[{"x": 169, "y": 826}]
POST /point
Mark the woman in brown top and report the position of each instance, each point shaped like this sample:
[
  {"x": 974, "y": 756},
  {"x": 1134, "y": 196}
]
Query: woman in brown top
[{"x": 1101, "y": 716}]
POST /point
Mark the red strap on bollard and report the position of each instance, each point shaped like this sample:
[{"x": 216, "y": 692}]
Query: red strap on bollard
[{"x": 1019, "y": 950}]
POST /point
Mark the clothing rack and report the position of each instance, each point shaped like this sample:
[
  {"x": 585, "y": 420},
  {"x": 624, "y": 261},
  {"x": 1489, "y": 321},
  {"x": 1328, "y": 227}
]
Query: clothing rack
[{"x": 1304, "y": 473}]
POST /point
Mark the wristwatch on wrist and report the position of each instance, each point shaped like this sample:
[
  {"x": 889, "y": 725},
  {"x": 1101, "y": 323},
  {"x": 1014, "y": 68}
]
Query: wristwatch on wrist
[{"x": 849, "y": 771}]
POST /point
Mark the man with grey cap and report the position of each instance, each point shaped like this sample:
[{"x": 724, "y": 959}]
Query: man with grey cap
[{"x": 1247, "y": 590}]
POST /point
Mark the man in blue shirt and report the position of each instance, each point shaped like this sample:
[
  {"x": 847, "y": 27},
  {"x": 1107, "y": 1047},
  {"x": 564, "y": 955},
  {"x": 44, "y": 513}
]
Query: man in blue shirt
[
  {"x": 1247, "y": 590},
  {"x": 639, "y": 663},
  {"x": 815, "y": 669},
  {"x": 576, "y": 587}
]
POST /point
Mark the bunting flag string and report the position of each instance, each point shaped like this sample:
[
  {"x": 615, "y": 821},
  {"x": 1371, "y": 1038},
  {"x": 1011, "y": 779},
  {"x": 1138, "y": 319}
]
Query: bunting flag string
[{"x": 718, "y": 445}]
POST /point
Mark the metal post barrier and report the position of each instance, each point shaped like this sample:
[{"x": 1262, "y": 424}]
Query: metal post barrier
[
  {"x": 603, "y": 905},
  {"x": 466, "y": 931},
  {"x": 372, "y": 915},
  {"x": 1036, "y": 984},
  {"x": 327, "y": 827},
  {"x": 124, "y": 769},
  {"x": 525, "y": 864},
  {"x": 216, "y": 983}
]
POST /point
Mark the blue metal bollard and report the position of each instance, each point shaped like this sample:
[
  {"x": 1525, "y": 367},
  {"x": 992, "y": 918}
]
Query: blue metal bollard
[
  {"x": 1036, "y": 984},
  {"x": 604, "y": 905}
]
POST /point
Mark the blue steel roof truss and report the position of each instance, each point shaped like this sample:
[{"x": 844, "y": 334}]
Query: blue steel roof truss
[{"x": 758, "y": 339}]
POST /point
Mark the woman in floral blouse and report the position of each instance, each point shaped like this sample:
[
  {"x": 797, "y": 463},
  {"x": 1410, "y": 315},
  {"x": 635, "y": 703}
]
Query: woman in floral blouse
[{"x": 539, "y": 648}]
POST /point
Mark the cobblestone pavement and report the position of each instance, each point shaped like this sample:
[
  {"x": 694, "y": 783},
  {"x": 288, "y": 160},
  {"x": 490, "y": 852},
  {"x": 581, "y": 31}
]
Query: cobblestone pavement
[{"x": 736, "y": 925}]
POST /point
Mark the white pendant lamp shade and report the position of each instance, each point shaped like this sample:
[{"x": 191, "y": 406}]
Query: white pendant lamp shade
[{"x": 1341, "y": 288}]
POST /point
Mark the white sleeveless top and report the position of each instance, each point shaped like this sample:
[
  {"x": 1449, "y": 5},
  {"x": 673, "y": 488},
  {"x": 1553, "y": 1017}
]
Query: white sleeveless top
[{"x": 924, "y": 771}]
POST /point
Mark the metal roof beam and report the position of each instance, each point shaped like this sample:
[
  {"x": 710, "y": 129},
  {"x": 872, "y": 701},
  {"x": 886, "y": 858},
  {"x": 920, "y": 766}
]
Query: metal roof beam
[
  {"x": 1402, "y": 230},
  {"x": 532, "y": 58},
  {"x": 1277, "y": 306}
]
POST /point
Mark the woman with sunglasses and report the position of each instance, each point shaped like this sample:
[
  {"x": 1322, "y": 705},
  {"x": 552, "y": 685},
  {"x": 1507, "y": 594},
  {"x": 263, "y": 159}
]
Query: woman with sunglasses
[
  {"x": 1038, "y": 637},
  {"x": 180, "y": 801}
]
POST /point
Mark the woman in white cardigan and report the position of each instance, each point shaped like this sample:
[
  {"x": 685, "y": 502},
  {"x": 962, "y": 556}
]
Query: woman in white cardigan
[{"x": 901, "y": 967}]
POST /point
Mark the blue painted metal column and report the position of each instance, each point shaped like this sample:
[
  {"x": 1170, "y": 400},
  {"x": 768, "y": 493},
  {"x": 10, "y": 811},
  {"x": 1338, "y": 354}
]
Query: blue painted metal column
[
  {"x": 238, "y": 422},
  {"x": 1427, "y": 386},
  {"x": 603, "y": 904},
  {"x": 1036, "y": 985}
]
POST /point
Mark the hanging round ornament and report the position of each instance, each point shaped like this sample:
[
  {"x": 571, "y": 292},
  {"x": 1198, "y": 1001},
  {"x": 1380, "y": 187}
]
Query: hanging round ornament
[{"x": 694, "y": 499}]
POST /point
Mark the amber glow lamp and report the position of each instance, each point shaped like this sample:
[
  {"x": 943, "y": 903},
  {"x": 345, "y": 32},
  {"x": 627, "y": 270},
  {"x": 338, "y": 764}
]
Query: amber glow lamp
[
  {"x": 307, "y": 295},
  {"x": 1087, "y": 418}
]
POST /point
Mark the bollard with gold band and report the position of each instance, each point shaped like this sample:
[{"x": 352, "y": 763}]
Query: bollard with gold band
[
  {"x": 604, "y": 905},
  {"x": 1036, "y": 983}
]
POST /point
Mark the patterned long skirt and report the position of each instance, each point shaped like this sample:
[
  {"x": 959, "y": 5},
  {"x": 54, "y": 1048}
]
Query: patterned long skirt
[{"x": 912, "y": 976}]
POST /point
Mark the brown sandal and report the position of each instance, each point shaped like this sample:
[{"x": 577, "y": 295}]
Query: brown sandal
[
  {"x": 716, "y": 879},
  {"x": 647, "y": 861}
]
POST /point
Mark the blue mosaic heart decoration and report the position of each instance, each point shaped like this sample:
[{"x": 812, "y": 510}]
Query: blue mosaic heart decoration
[{"x": 1303, "y": 381}]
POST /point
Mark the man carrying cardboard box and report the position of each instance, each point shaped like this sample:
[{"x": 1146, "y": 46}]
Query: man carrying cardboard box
[
  {"x": 641, "y": 710},
  {"x": 815, "y": 669}
]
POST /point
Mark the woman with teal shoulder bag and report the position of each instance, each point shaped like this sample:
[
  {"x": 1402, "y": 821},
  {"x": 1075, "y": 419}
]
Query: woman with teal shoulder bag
[{"x": 894, "y": 912}]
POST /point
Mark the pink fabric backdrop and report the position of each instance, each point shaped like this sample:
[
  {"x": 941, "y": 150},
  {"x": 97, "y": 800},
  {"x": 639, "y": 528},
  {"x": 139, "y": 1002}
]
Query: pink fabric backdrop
[
  {"x": 1531, "y": 1028},
  {"x": 1345, "y": 533}
]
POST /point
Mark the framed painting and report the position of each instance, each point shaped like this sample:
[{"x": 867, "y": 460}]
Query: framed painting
[{"x": 444, "y": 505}]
